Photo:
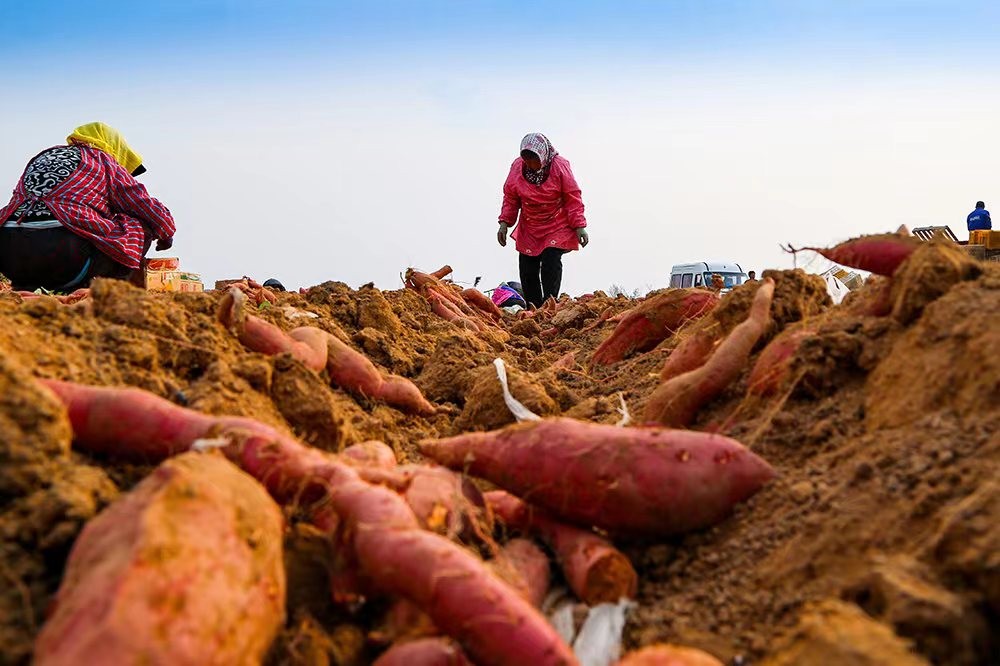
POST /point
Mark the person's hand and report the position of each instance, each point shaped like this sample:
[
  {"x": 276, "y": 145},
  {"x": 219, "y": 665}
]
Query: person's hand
[
  {"x": 581, "y": 234},
  {"x": 162, "y": 244},
  {"x": 502, "y": 234}
]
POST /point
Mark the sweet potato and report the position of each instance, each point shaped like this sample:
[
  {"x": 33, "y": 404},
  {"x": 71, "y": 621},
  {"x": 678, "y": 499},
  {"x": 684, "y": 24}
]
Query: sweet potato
[
  {"x": 442, "y": 272},
  {"x": 370, "y": 453},
  {"x": 690, "y": 354},
  {"x": 266, "y": 338},
  {"x": 525, "y": 563},
  {"x": 880, "y": 253},
  {"x": 652, "y": 321},
  {"x": 482, "y": 302},
  {"x": 443, "y": 501},
  {"x": 668, "y": 655},
  {"x": 353, "y": 371},
  {"x": 629, "y": 481},
  {"x": 185, "y": 569},
  {"x": 129, "y": 422},
  {"x": 424, "y": 652},
  {"x": 771, "y": 371},
  {"x": 467, "y": 602},
  {"x": 596, "y": 571},
  {"x": 676, "y": 402}
]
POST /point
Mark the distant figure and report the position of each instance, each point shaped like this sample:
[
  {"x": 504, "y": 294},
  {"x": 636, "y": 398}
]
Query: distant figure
[
  {"x": 78, "y": 213},
  {"x": 717, "y": 283},
  {"x": 542, "y": 198},
  {"x": 979, "y": 218},
  {"x": 751, "y": 276},
  {"x": 273, "y": 284}
]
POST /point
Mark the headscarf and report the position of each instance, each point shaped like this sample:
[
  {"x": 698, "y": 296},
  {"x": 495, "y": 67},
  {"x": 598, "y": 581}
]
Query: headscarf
[
  {"x": 107, "y": 138},
  {"x": 537, "y": 143}
]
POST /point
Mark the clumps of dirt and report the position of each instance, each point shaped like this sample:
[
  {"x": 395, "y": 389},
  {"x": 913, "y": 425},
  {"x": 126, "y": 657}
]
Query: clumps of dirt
[
  {"x": 447, "y": 374},
  {"x": 797, "y": 296},
  {"x": 927, "y": 275},
  {"x": 46, "y": 497},
  {"x": 485, "y": 408},
  {"x": 945, "y": 362},
  {"x": 316, "y": 416},
  {"x": 835, "y": 632}
]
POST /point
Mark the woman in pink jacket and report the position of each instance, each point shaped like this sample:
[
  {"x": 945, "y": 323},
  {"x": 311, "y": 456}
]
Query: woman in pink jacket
[{"x": 542, "y": 199}]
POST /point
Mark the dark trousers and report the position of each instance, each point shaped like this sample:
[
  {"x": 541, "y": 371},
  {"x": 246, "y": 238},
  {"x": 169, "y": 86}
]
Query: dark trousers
[
  {"x": 54, "y": 259},
  {"x": 541, "y": 275}
]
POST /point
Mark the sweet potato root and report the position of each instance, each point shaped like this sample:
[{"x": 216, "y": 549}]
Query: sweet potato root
[
  {"x": 266, "y": 338},
  {"x": 880, "y": 253},
  {"x": 456, "y": 590},
  {"x": 690, "y": 354},
  {"x": 370, "y": 453},
  {"x": 652, "y": 321},
  {"x": 526, "y": 567},
  {"x": 629, "y": 481},
  {"x": 596, "y": 571},
  {"x": 668, "y": 655},
  {"x": 443, "y": 501},
  {"x": 185, "y": 569},
  {"x": 442, "y": 272},
  {"x": 481, "y": 301},
  {"x": 353, "y": 371},
  {"x": 771, "y": 371},
  {"x": 424, "y": 652},
  {"x": 676, "y": 402}
]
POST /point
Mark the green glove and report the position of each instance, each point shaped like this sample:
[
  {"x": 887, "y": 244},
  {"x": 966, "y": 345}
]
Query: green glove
[{"x": 581, "y": 234}]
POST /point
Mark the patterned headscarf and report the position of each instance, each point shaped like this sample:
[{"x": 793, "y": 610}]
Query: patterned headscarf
[{"x": 537, "y": 143}]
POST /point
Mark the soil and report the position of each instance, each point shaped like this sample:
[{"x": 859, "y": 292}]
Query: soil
[{"x": 879, "y": 542}]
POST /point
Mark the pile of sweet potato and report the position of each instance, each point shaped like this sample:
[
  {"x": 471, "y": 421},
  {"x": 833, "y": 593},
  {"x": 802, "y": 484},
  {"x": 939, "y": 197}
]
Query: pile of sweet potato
[{"x": 193, "y": 552}]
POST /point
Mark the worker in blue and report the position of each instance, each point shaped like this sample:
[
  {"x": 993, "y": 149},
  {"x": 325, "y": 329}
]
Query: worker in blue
[{"x": 979, "y": 218}]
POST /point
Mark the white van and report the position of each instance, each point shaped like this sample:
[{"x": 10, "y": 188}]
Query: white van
[{"x": 700, "y": 274}]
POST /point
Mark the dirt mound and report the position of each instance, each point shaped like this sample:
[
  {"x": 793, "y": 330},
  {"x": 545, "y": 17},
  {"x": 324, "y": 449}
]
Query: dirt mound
[{"x": 878, "y": 541}]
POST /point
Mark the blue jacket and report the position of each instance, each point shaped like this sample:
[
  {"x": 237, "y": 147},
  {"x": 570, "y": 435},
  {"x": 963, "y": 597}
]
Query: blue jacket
[{"x": 979, "y": 219}]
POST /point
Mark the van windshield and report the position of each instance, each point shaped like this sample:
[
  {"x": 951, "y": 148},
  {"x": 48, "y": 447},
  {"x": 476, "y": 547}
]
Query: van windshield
[{"x": 731, "y": 279}]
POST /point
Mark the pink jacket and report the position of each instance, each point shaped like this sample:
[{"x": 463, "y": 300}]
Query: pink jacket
[{"x": 550, "y": 213}]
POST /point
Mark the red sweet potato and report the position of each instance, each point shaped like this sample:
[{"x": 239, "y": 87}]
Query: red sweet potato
[
  {"x": 630, "y": 481},
  {"x": 424, "y": 652},
  {"x": 523, "y": 561},
  {"x": 668, "y": 655},
  {"x": 771, "y": 371},
  {"x": 443, "y": 501},
  {"x": 880, "y": 253},
  {"x": 467, "y": 602},
  {"x": 690, "y": 354},
  {"x": 676, "y": 402},
  {"x": 370, "y": 453},
  {"x": 442, "y": 272},
  {"x": 185, "y": 569},
  {"x": 482, "y": 302},
  {"x": 596, "y": 571},
  {"x": 129, "y": 422},
  {"x": 652, "y": 321},
  {"x": 266, "y": 338}
]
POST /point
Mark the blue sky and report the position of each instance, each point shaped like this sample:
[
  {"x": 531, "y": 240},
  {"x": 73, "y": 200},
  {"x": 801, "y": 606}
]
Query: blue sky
[{"x": 347, "y": 140}]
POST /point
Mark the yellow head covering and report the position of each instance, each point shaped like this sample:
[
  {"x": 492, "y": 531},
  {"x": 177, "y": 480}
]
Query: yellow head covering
[{"x": 106, "y": 138}]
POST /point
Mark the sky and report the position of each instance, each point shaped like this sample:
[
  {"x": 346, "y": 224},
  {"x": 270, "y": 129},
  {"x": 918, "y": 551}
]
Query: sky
[{"x": 313, "y": 141}]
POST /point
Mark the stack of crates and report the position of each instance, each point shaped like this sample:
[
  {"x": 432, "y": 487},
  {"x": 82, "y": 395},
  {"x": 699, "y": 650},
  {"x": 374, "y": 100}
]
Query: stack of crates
[{"x": 164, "y": 274}]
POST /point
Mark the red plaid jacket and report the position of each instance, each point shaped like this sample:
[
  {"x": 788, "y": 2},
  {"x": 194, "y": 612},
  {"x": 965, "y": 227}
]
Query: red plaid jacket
[{"x": 102, "y": 202}]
